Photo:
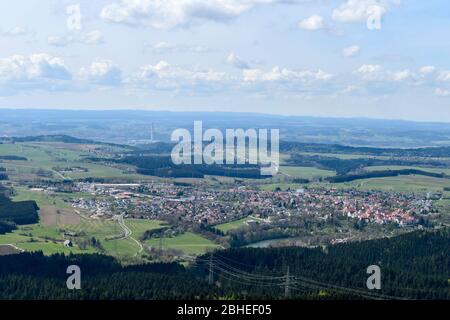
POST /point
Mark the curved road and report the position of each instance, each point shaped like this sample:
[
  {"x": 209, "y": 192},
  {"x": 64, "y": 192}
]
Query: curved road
[{"x": 127, "y": 233}]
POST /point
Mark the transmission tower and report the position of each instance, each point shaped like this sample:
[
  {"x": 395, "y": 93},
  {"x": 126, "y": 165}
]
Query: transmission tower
[
  {"x": 287, "y": 283},
  {"x": 210, "y": 277}
]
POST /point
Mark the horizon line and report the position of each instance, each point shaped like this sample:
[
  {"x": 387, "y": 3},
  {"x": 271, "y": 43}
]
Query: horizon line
[{"x": 224, "y": 112}]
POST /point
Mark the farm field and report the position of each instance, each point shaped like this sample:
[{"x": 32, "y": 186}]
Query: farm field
[
  {"x": 57, "y": 217},
  {"x": 139, "y": 226},
  {"x": 306, "y": 172},
  {"x": 43, "y": 199},
  {"x": 189, "y": 243},
  {"x": 410, "y": 183},
  {"x": 433, "y": 170},
  {"x": 343, "y": 156},
  {"x": 43, "y": 158},
  {"x": 233, "y": 225},
  {"x": 55, "y": 220},
  {"x": 7, "y": 249},
  {"x": 38, "y": 238},
  {"x": 120, "y": 248}
]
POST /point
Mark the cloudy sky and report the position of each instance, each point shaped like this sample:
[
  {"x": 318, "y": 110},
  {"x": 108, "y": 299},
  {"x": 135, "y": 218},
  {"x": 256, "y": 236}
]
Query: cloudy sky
[{"x": 349, "y": 58}]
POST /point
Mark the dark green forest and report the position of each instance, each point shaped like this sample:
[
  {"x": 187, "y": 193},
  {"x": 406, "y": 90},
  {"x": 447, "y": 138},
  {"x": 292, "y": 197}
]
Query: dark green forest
[
  {"x": 413, "y": 266},
  {"x": 12, "y": 213},
  {"x": 382, "y": 174},
  {"x": 345, "y": 166},
  {"x": 428, "y": 152},
  {"x": 163, "y": 166}
]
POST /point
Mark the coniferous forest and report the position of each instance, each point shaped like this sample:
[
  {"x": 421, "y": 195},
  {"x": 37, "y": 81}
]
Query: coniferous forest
[{"x": 413, "y": 266}]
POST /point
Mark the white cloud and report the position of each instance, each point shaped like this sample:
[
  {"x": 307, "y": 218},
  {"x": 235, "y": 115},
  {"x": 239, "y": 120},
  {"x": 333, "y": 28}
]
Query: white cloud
[
  {"x": 92, "y": 37},
  {"x": 14, "y": 32},
  {"x": 59, "y": 41},
  {"x": 288, "y": 75},
  {"x": 165, "y": 47},
  {"x": 164, "y": 14},
  {"x": 35, "y": 66},
  {"x": 442, "y": 92},
  {"x": 372, "y": 72},
  {"x": 237, "y": 62},
  {"x": 164, "y": 70},
  {"x": 38, "y": 71},
  {"x": 444, "y": 76},
  {"x": 102, "y": 72},
  {"x": 314, "y": 22},
  {"x": 427, "y": 69},
  {"x": 163, "y": 75},
  {"x": 350, "y": 89},
  {"x": 358, "y": 10},
  {"x": 89, "y": 38},
  {"x": 369, "y": 71},
  {"x": 402, "y": 75},
  {"x": 351, "y": 51}
]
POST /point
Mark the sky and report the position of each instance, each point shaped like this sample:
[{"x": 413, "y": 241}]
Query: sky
[{"x": 334, "y": 58}]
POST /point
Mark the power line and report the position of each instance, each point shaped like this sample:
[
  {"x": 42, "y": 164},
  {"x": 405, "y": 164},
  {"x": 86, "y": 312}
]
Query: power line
[
  {"x": 231, "y": 273},
  {"x": 287, "y": 291},
  {"x": 211, "y": 276}
]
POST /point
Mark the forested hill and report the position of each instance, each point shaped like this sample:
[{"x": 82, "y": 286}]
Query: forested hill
[
  {"x": 58, "y": 138},
  {"x": 415, "y": 266},
  {"x": 431, "y": 152},
  {"x": 46, "y": 138}
]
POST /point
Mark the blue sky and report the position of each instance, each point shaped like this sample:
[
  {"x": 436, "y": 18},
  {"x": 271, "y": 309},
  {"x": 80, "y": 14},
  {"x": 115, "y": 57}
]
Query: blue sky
[{"x": 299, "y": 57}]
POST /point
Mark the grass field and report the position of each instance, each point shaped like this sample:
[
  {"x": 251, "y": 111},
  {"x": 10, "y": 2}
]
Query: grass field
[
  {"x": 443, "y": 207},
  {"x": 44, "y": 157},
  {"x": 233, "y": 225},
  {"x": 344, "y": 156},
  {"x": 410, "y": 183},
  {"x": 120, "y": 248},
  {"x": 38, "y": 238},
  {"x": 188, "y": 242},
  {"x": 59, "y": 200},
  {"x": 433, "y": 170},
  {"x": 139, "y": 226},
  {"x": 306, "y": 172},
  {"x": 49, "y": 238}
]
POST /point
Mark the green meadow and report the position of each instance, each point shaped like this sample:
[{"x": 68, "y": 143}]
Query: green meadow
[
  {"x": 44, "y": 157},
  {"x": 433, "y": 170},
  {"x": 233, "y": 225},
  {"x": 410, "y": 183},
  {"x": 309, "y": 173},
  {"x": 189, "y": 243}
]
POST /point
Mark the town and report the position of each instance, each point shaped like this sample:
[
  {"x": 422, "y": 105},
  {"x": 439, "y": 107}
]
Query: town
[{"x": 193, "y": 205}]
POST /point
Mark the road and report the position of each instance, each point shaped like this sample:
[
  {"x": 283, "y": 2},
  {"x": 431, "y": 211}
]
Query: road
[{"x": 127, "y": 233}]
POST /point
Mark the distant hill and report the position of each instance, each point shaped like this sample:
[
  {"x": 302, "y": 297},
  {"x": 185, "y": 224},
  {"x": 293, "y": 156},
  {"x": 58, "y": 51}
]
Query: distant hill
[
  {"x": 54, "y": 138},
  {"x": 47, "y": 138},
  {"x": 122, "y": 126},
  {"x": 432, "y": 152}
]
